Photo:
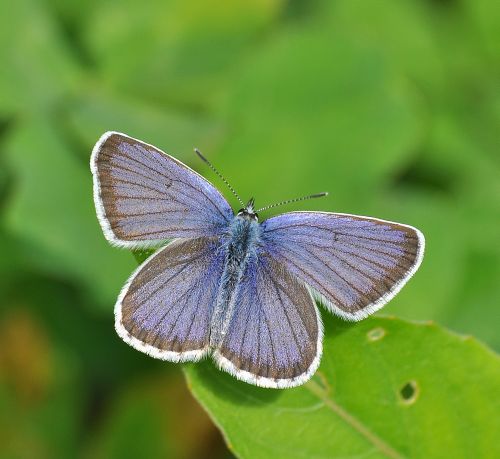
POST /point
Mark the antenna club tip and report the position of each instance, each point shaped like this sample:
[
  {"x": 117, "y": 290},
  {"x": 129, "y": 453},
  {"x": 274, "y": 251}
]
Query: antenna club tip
[{"x": 200, "y": 154}]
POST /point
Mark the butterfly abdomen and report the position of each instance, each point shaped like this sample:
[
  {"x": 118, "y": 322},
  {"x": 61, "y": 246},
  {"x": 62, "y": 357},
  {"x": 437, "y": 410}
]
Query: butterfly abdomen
[{"x": 241, "y": 249}]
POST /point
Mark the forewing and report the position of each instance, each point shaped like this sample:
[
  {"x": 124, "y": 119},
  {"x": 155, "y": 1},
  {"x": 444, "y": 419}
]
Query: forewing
[
  {"x": 143, "y": 196},
  {"x": 353, "y": 264},
  {"x": 165, "y": 308},
  {"x": 274, "y": 338}
]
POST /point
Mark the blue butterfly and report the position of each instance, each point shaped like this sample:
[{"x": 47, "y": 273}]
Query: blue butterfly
[{"x": 228, "y": 286}]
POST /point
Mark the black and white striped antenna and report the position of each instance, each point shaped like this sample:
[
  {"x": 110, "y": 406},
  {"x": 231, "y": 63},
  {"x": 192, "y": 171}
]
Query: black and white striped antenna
[
  {"x": 289, "y": 201},
  {"x": 198, "y": 152}
]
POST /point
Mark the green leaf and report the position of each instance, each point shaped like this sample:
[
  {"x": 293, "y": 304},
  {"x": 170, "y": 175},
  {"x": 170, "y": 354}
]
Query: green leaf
[
  {"x": 37, "y": 67},
  {"x": 98, "y": 110},
  {"x": 487, "y": 21},
  {"x": 380, "y": 24},
  {"x": 186, "y": 50},
  {"x": 52, "y": 209},
  {"x": 307, "y": 123},
  {"x": 385, "y": 388}
]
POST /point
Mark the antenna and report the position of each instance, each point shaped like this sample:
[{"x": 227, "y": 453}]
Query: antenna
[
  {"x": 282, "y": 203},
  {"x": 198, "y": 152}
]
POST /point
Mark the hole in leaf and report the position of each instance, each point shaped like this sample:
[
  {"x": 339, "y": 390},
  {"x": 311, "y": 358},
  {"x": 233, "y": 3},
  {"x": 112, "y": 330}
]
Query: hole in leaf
[
  {"x": 375, "y": 334},
  {"x": 409, "y": 392}
]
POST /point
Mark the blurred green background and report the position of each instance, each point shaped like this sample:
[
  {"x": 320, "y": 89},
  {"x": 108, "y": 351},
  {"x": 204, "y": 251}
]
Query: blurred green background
[{"x": 393, "y": 106}]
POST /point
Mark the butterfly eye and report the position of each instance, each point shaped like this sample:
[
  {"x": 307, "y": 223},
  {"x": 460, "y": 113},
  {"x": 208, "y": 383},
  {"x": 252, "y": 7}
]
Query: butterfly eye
[{"x": 256, "y": 216}]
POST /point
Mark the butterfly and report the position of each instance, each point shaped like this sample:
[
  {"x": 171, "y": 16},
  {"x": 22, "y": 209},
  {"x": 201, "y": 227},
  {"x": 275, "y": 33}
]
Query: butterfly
[{"x": 226, "y": 285}]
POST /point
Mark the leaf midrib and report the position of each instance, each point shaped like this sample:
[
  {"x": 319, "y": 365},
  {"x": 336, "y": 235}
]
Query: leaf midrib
[{"x": 357, "y": 425}]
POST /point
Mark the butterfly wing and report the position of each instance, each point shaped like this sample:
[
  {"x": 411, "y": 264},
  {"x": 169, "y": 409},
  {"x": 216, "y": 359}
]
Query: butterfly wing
[
  {"x": 353, "y": 264},
  {"x": 274, "y": 338},
  {"x": 165, "y": 307},
  {"x": 143, "y": 196}
]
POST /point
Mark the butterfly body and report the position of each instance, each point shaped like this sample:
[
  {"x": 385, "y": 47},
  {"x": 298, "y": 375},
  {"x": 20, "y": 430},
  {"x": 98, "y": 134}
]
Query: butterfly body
[
  {"x": 241, "y": 249},
  {"x": 224, "y": 285}
]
